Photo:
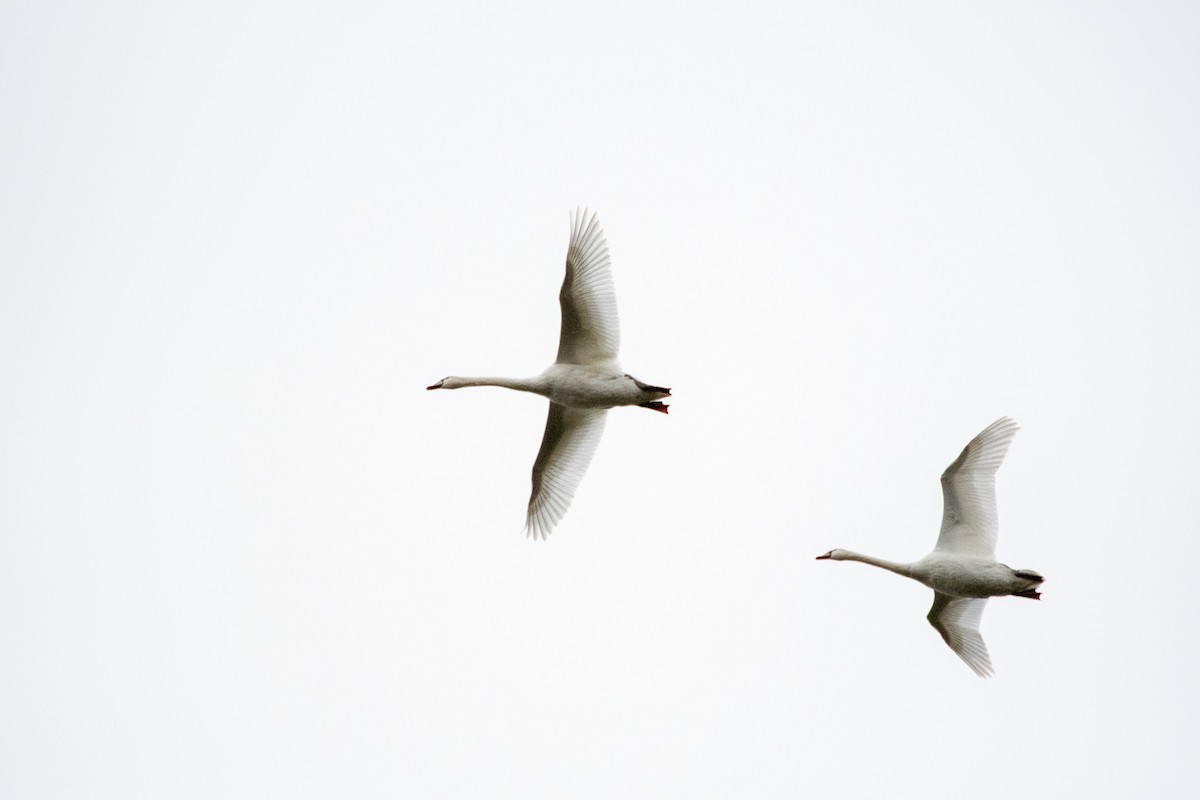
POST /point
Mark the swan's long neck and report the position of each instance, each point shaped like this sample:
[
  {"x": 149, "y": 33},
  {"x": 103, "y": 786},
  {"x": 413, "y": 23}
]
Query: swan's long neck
[
  {"x": 891, "y": 566},
  {"x": 519, "y": 384}
]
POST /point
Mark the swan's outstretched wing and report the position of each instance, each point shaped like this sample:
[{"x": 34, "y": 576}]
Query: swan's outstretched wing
[
  {"x": 970, "y": 524},
  {"x": 567, "y": 448},
  {"x": 957, "y": 620},
  {"x": 590, "y": 330}
]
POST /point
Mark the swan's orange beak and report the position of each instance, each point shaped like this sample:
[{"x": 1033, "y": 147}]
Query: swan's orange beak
[
  {"x": 437, "y": 385},
  {"x": 827, "y": 555}
]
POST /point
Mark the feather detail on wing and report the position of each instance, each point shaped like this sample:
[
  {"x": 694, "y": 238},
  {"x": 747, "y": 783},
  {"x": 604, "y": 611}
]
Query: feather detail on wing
[
  {"x": 957, "y": 620},
  {"x": 970, "y": 523},
  {"x": 568, "y": 445},
  {"x": 590, "y": 330}
]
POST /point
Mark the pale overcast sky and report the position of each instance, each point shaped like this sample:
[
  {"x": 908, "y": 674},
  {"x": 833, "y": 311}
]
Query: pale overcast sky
[{"x": 245, "y": 554}]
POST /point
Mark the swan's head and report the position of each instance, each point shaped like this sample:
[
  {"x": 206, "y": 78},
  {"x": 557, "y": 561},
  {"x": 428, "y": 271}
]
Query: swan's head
[
  {"x": 836, "y": 555},
  {"x": 449, "y": 382}
]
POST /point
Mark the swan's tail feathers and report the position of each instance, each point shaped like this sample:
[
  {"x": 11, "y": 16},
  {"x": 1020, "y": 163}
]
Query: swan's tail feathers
[
  {"x": 645, "y": 387},
  {"x": 1035, "y": 580},
  {"x": 655, "y": 406}
]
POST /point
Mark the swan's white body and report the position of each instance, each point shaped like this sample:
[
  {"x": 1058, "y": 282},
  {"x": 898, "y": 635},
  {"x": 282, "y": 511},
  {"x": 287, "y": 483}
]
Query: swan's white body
[
  {"x": 583, "y": 383},
  {"x": 962, "y": 569}
]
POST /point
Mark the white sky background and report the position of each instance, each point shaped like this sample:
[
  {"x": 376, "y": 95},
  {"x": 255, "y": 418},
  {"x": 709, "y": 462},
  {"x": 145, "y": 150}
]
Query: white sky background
[{"x": 244, "y": 553}]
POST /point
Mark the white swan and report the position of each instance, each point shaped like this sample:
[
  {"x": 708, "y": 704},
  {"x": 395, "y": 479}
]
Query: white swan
[
  {"x": 583, "y": 382},
  {"x": 962, "y": 569}
]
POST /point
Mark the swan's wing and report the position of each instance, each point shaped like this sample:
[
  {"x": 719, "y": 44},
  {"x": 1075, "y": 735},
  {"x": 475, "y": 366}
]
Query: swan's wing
[
  {"x": 970, "y": 524},
  {"x": 590, "y": 329},
  {"x": 957, "y": 620},
  {"x": 567, "y": 448}
]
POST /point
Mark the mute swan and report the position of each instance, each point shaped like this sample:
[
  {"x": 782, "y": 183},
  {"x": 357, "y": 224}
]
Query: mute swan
[
  {"x": 583, "y": 382},
  {"x": 962, "y": 569}
]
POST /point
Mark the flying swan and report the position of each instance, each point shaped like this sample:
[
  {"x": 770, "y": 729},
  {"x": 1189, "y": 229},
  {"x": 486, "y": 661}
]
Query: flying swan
[
  {"x": 582, "y": 383},
  {"x": 962, "y": 569}
]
